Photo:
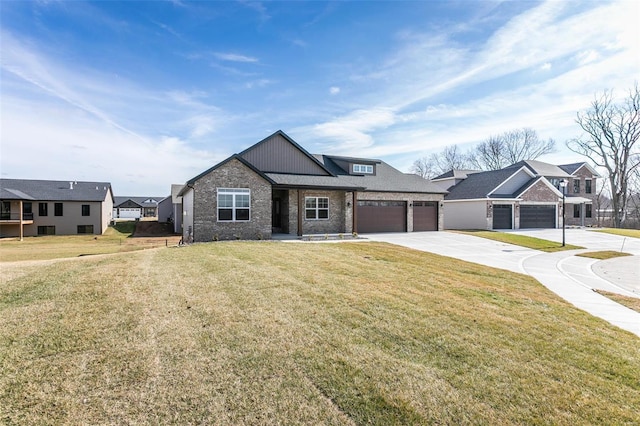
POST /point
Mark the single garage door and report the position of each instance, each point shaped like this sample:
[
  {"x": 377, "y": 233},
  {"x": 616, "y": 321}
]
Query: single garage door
[
  {"x": 425, "y": 216},
  {"x": 382, "y": 216},
  {"x": 537, "y": 216},
  {"x": 502, "y": 216}
]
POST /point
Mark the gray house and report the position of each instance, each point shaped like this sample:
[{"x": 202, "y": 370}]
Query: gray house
[
  {"x": 45, "y": 207},
  {"x": 127, "y": 207},
  {"x": 527, "y": 194},
  {"x": 275, "y": 186}
]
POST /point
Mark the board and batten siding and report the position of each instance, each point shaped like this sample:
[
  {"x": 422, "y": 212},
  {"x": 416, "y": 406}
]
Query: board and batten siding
[{"x": 277, "y": 155}]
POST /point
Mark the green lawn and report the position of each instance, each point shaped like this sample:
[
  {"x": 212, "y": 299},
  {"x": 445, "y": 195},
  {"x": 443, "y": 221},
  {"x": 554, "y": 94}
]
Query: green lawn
[
  {"x": 296, "y": 333},
  {"x": 521, "y": 240},
  {"x": 635, "y": 233}
]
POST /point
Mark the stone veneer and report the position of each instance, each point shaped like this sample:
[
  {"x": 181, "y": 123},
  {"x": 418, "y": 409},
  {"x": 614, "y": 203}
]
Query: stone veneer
[
  {"x": 339, "y": 213},
  {"x": 233, "y": 174},
  {"x": 583, "y": 174}
]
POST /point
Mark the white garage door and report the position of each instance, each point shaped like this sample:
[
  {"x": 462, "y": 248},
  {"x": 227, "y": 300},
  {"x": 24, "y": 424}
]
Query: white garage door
[{"x": 129, "y": 213}]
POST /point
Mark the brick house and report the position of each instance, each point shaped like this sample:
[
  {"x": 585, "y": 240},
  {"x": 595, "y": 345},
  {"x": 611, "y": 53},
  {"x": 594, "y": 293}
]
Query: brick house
[
  {"x": 527, "y": 194},
  {"x": 275, "y": 186}
]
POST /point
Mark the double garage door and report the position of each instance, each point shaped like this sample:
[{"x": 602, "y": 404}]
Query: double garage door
[
  {"x": 391, "y": 216},
  {"x": 531, "y": 216}
]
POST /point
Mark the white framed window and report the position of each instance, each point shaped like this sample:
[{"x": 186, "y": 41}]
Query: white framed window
[
  {"x": 234, "y": 204},
  {"x": 363, "y": 168},
  {"x": 316, "y": 208}
]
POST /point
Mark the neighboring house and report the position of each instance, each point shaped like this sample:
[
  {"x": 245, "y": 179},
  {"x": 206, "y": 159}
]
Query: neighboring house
[
  {"x": 527, "y": 194},
  {"x": 45, "y": 207},
  {"x": 135, "y": 207},
  {"x": 275, "y": 186},
  {"x": 170, "y": 209},
  {"x": 452, "y": 178}
]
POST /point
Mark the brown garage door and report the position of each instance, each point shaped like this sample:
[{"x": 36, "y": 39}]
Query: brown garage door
[
  {"x": 425, "y": 216},
  {"x": 382, "y": 216}
]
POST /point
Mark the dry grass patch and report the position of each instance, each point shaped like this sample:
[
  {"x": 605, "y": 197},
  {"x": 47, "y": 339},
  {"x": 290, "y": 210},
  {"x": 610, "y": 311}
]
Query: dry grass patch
[
  {"x": 287, "y": 333},
  {"x": 635, "y": 233},
  {"x": 603, "y": 255},
  {"x": 116, "y": 239},
  {"x": 521, "y": 240},
  {"x": 629, "y": 302}
]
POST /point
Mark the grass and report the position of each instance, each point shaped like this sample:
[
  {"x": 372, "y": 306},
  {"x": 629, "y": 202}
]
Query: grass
[
  {"x": 603, "y": 255},
  {"x": 116, "y": 239},
  {"x": 629, "y": 302},
  {"x": 291, "y": 333},
  {"x": 521, "y": 240},
  {"x": 635, "y": 233}
]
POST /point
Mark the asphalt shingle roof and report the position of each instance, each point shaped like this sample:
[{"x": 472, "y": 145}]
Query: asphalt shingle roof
[
  {"x": 51, "y": 190},
  {"x": 479, "y": 185}
]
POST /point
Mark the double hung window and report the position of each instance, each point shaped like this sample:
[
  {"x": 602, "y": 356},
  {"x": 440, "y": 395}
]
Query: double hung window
[
  {"x": 234, "y": 205},
  {"x": 316, "y": 208}
]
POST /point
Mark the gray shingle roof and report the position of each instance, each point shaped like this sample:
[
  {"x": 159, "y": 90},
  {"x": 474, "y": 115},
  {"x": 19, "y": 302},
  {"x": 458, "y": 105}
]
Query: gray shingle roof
[
  {"x": 542, "y": 169},
  {"x": 479, "y": 185},
  {"x": 51, "y": 190},
  {"x": 138, "y": 200},
  {"x": 458, "y": 174},
  {"x": 386, "y": 179}
]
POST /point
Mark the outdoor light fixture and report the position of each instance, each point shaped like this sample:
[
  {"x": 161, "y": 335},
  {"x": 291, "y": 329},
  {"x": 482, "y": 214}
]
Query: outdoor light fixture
[{"x": 563, "y": 185}]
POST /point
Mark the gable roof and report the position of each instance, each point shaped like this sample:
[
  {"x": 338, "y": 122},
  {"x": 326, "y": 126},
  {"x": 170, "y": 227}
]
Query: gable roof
[
  {"x": 278, "y": 153},
  {"x": 54, "y": 190},
  {"x": 481, "y": 185},
  {"x": 456, "y": 173},
  {"x": 573, "y": 168},
  {"x": 542, "y": 169},
  {"x": 320, "y": 171},
  {"x": 140, "y": 201}
]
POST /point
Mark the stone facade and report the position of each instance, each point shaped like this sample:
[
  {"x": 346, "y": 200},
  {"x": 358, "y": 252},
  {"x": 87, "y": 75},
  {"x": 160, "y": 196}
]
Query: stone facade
[
  {"x": 233, "y": 174},
  {"x": 582, "y": 175},
  {"x": 339, "y": 221}
]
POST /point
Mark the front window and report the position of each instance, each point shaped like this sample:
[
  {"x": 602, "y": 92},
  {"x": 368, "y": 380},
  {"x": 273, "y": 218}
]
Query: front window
[
  {"x": 85, "y": 229},
  {"x": 86, "y": 210},
  {"x": 43, "y": 209},
  {"x": 576, "y": 186},
  {"x": 6, "y": 210},
  {"x": 234, "y": 205},
  {"x": 576, "y": 210},
  {"x": 363, "y": 168},
  {"x": 587, "y": 186},
  {"x": 587, "y": 212},
  {"x": 316, "y": 208},
  {"x": 57, "y": 209},
  {"x": 46, "y": 230}
]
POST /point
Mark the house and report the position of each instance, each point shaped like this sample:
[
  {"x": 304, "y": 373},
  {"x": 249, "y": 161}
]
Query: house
[
  {"x": 135, "y": 207},
  {"x": 45, "y": 207},
  {"x": 527, "y": 194},
  {"x": 170, "y": 208},
  {"x": 276, "y": 186}
]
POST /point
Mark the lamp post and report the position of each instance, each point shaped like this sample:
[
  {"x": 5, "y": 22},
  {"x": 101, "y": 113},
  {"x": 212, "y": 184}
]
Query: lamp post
[{"x": 563, "y": 185}]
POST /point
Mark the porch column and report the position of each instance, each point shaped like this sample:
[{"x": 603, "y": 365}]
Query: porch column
[
  {"x": 21, "y": 224},
  {"x": 300, "y": 211},
  {"x": 354, "y": 212}
]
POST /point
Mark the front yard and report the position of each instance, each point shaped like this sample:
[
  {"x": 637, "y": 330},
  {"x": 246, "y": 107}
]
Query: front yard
[{"x": 289, "y": 333}]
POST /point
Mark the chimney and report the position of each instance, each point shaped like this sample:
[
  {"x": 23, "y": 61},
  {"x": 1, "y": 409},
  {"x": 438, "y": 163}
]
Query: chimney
[{"x": 70, "y": 185}]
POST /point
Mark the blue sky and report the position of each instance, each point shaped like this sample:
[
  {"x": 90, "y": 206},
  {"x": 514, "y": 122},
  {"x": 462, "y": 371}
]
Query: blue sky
[{"x": 146, "y": 94}]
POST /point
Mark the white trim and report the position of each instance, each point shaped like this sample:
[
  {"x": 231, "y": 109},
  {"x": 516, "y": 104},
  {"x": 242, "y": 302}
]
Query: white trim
[
  {"x": 591, "y": 169},
  {"x": 363, "y": 168},
  {"x": 233, "y": 192},
  {"x": 316, "y": 208}
]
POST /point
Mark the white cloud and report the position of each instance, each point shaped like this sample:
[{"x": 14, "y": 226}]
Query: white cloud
[
  {"x": 234, "y": 57},
  {"x": 334, "y": 90}
]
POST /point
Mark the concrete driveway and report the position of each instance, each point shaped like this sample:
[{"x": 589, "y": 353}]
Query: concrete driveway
[{"x": 572, "y": 278}]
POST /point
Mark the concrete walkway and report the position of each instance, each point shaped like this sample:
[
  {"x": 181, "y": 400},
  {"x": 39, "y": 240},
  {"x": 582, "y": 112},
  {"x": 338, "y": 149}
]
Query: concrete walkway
[{"x": 570, "y": 277}]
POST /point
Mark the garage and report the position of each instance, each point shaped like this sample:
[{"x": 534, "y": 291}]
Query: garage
[
  {"x": 502, "y": 216},
  {"x": 425, "y": 216},
  {"x": 381, "y": 216},
  {"x": 128, "y": 213},
  {"x": 537, "y": 216}
]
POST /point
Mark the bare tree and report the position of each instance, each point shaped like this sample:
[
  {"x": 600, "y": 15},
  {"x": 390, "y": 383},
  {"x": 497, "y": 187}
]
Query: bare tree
[
  {"x": 424, "y": 167},
  {"x": 500, "y": 151},
  {"x": 612, "y": 131},
  {"x": 450, "y": 158}
]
